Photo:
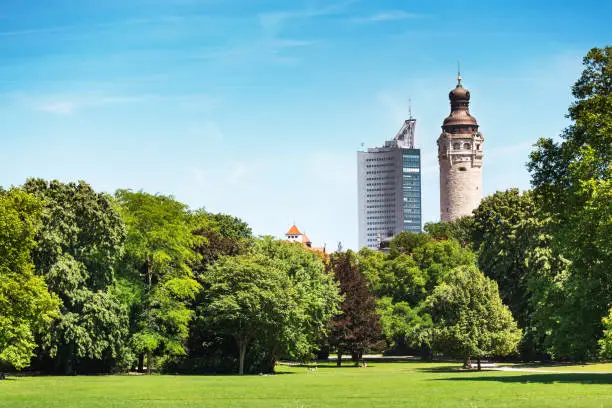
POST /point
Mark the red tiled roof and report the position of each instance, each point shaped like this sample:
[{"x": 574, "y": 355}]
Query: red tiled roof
[
  {"x": 305, "y": 239},
  {"x": 293, "y": 231}
]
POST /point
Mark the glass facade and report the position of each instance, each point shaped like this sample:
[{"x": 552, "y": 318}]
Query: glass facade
[{"x": 411, "y": 188}]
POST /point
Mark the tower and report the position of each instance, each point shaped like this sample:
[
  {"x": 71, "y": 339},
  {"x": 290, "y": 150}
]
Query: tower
[
  {"x": 460, "y": 148},
  {"x": 389, "y": 187}
]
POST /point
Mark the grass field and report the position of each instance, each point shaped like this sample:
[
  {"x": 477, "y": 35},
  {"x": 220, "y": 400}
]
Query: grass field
[{"x": 405, "y": 384}]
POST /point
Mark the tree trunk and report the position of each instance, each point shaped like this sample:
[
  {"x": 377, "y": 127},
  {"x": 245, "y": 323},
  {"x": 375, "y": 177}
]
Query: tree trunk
[
  {"x": 242, "y": 346},
  {"x": 339, "y": 361},
  {"x": 467, "y": 362},
  {"x": 478, "y": 362},
  {"x": 141, "y": 363},
  {"x": 2, "y": 376},
  {"x": 68, "y": 370},
  {"x": 149, "y": 361},
  {"x": 150, "y": 273},
  {"x": 426, "y": 354}
]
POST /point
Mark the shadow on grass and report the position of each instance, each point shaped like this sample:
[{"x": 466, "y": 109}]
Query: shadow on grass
[
  {"x": 544, "y": 378},
  {"x": 327, "y": 366},
  {"x": 443, "y": 369}
]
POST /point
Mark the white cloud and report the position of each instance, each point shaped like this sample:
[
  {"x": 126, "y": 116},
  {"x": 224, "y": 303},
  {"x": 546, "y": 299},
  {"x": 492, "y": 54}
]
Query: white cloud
[
  {"x": 391, "y": 15},
  {"x": 60, "y": 107},
  {"x": 67, "y": 104}
]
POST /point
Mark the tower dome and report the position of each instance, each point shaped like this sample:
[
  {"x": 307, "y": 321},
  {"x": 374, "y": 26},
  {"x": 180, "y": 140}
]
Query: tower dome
[{"x": 459, "y": 118}]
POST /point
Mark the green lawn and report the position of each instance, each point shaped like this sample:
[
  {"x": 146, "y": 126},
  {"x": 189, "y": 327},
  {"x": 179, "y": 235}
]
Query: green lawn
[{"x": 406, "y": 384}]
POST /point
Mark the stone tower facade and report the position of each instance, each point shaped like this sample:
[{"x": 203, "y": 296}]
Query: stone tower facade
[{"x": 460, "y": 150}]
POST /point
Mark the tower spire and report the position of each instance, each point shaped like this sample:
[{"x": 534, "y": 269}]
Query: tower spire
[{"x": 458, "y": 73}]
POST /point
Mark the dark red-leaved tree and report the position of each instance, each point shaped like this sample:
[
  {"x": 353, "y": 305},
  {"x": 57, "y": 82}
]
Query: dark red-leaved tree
[{"x": 356, "y": 329}]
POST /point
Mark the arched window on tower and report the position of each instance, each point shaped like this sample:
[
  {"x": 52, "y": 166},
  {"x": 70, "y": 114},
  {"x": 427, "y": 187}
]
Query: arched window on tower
[
  {"x": 457, "y": 146},
  {"x": 467, "y": 146}
]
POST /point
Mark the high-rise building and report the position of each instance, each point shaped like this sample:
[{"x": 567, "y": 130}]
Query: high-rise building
[
  {"x": 460, "y": 151},
  {"x": 389, "y": 188}
]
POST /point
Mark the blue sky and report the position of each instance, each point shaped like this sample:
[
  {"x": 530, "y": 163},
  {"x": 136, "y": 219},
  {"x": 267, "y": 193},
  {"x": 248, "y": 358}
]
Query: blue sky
[{"x": 257, "y": 108}]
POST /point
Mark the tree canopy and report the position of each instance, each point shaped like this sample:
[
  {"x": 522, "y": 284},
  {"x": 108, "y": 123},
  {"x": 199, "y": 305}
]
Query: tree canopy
[
  {"x": 157, "y": 269},
  {"x": 26, "y": 306},
  {"x": 78, "y": 246},
  {"x": 572, "y": 181},
  {"x": 469, "y": 318}
]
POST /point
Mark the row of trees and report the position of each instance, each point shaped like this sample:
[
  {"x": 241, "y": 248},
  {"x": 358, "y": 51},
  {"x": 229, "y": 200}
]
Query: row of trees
[
  {"x": 99, "y": 283},
  {"x": 95, "y": 283}
]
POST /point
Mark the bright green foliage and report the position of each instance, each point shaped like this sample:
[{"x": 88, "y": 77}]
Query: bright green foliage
[
  {"x": 605, "y": 343},
  {"x": 316, "y": 296},
  {"x": 77, "y": 249},
  {"x": 157, "y": 279},
  {"x": 405, "y": 242},
  {"x": 573, "y": 182},
  {"x": 26, "y": 307},
  {"x": 504, "y": 236},
  {"x": 371, "y": 263},
  {"x": 403, "y": 326},
  {"x": 437, "y": 258},
  {"x": 514, "y": 249},
  {"x": 469, "y": 318},
  {"x": 248, "y": 297},
  {"x": 419, "y": 264},
  {"x": 160, "y": 238},
  {"x": 459, "y": 229},
  {"x": 279, "y": 297},
  {"x": 402, "y": 279}
]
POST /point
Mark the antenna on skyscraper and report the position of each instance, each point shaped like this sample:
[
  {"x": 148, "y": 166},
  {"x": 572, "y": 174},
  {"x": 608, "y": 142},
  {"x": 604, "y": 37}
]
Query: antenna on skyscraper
[{"x": 409, "y": 109}]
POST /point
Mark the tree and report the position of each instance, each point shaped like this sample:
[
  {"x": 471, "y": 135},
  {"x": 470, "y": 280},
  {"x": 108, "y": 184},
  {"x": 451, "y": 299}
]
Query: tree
[
  {"x": 26, "y": 306},
  {"x": 157, "y": 265},
  {"x": 247, "y": 297},
  {"x": 469, "y": 318},
  {"x": 78, "y": 247},
  {"x": 514, "y": 249},
  {"x": 356, "y": 328},
  {"x": 282, "y": 311},
  {"x": 316, "y": 297},
  {"x": 572, "y": 181}
]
